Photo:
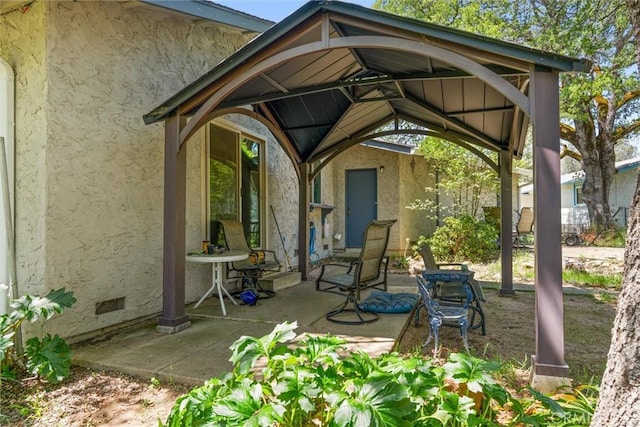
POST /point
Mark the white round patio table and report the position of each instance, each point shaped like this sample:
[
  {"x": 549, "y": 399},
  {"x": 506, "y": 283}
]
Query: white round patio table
[{"x": 216, "y": 261}]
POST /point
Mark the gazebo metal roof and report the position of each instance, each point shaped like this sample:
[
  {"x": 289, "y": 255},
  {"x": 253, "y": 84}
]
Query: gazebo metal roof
[{"x": 387, "y": 69}]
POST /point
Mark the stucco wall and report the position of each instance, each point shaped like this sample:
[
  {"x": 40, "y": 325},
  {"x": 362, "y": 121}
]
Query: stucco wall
[
  {"x": 414, "y": 181},
  {"x": 22, "y": 44},
  {"x": 98, "y": 167}
]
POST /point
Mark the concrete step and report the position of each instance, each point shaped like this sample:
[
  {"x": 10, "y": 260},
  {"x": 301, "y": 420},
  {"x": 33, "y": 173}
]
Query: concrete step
[{"x": 277, "y": 281}]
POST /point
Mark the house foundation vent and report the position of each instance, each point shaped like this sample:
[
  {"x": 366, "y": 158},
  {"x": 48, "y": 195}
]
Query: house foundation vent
[{"x": 110, "y": 305}]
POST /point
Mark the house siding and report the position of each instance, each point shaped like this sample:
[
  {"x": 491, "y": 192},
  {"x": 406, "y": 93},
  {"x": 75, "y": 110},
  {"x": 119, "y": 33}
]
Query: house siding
[
  {"x": 89, "y": 172},
  {"x": 23, "y": 42}
]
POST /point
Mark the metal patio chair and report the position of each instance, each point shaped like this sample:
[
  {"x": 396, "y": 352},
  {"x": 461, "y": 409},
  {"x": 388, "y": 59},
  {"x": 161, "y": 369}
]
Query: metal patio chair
[
  {"x": 369, "y": 270},
  {"x": 456, "y": 292},
  {"x": 441, "y": 315}
]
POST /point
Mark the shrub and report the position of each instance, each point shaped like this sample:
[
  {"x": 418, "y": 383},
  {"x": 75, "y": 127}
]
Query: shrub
[
  {"x": 465, "y": 238},
  {"x": 310, "y": 384},
  {"x": 48, "y": 357}
]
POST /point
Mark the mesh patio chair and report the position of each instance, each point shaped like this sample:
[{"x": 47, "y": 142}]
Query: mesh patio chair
[
  {"x": 455, "y": 292},
  {"x": 524, "y": 227},
  {"x": 441, "y": 315},
  {"x": 369, "y": 270},
  {"x": 256, "y": 265}
]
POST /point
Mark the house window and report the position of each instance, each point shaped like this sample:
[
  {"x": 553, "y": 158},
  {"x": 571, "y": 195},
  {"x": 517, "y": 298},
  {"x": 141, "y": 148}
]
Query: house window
[
  {"x": 578, "y": 195},
  {"x": 235, "y": 182}
]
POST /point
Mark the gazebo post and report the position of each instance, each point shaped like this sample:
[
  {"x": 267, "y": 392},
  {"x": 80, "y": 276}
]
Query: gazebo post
[
  {"x": 173, "y": 317},
  {"x": 549, "y": 367},
  {"x": 303, "y": 225},
  {"x": 506, "y": 219}
]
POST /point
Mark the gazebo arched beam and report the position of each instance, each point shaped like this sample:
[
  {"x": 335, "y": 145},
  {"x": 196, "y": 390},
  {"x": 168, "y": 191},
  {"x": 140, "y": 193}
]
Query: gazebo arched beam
[
  {"x": 519, "y": 126},
  {"x": 373, "y": 42},
  {"x": 451, "y": 138}
]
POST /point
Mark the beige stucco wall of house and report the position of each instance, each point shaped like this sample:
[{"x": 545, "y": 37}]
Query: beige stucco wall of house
[
  {"x": 416, "y": 180},
  {"x": 89, "y": 172},
  {"x": 23, "y": 42}
]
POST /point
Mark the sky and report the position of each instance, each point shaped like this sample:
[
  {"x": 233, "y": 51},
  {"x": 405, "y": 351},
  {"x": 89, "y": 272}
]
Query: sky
[{"x": 274, "y": 10}]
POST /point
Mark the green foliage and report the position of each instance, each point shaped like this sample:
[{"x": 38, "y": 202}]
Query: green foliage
[
  {"x": 462, "y": 176},
  {"x": 309, "y": 384},
  {"x": 464, "y": 238},
  {"x": 48, "y": 357},
  {"x": 400, "y": 262},
  {"x": 587, "y": 279}
]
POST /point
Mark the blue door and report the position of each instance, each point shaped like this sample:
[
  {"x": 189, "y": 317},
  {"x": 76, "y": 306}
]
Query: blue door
[{"x": 361, "y": 202}]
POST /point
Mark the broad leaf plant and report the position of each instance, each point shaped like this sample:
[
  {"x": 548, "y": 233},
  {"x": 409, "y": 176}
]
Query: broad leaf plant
[{"x": 48, "y": 357}]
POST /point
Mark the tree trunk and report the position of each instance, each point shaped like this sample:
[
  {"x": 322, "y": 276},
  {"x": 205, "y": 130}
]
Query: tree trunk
[
  {"x": 619, "y": 403},
  {"x": 598, "y": 162}
]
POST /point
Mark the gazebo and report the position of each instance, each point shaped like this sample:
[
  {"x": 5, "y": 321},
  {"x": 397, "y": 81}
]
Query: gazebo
[{"x": 332, "y": 74}]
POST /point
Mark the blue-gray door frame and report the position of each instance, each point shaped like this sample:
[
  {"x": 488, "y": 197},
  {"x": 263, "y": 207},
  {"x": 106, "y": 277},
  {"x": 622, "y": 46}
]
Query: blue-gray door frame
[{"x": 361, "y": 204}]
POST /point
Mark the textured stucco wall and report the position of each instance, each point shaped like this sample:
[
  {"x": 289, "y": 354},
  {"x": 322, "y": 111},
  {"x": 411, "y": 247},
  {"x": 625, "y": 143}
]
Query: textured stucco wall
[
  {"x": 98, "y": 167},
  {"x": 23, "y": 45},
  {"x": 413, "y": 183}
]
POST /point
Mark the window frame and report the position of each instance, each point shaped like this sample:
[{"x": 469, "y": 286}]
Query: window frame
[
  {"x": 577, "y": 195},
  {"x": 241, "y": 133}
]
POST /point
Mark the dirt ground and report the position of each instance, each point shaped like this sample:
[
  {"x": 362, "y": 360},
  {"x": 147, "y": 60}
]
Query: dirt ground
[
  {"x": 97, "y": 398},
  {"x": 510, "y": 320},
  {"x": 510, "y": 333}
]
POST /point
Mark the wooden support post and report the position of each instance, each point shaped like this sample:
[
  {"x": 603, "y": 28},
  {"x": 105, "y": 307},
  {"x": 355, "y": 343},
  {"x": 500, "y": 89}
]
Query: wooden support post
[
  {"x": 548, "y": 362},
  {"x": 304, "y": 189},
  {"x": 506, "y": 220},
  {"x": 173, "y": 317}
]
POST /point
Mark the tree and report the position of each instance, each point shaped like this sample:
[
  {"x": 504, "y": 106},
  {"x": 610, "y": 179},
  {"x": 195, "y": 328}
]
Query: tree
[
  {"x": 463, "y": 176},
  {"x": 619, "y": 403},
  {"x": 598, "y": 108}
]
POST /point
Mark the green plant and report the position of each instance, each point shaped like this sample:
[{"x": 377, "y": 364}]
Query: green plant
[
  {"x": 605, "y": 297},
  {"x": 154, "y": 383},
  {"x": 464, "y": 238},
  {"x": 48, "y": 357},
  {"x": 584, "y": 278},
  {"x": 313, "y": 383},
  {"x": 400, "y": 262}
]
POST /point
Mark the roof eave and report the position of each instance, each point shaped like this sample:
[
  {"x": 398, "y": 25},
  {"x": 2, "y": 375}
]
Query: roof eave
[{"x": 216, "y": 13}]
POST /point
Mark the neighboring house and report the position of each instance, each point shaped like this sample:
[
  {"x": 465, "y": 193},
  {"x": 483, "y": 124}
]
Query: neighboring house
[
  {"x": 574, "y": 211},
  {"x": 88, "y": 191}
]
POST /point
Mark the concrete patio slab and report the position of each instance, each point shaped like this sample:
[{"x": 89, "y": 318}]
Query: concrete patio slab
[{"x": 202, "y": 351}]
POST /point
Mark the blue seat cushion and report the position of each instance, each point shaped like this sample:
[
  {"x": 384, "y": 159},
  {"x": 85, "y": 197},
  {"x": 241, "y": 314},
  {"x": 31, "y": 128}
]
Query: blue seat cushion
[{"x": 385, "y": 302}]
